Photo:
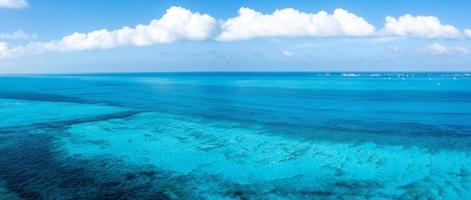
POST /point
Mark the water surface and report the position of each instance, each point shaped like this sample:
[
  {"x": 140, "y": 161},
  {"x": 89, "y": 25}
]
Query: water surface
[{"x": 236, "y": 136}]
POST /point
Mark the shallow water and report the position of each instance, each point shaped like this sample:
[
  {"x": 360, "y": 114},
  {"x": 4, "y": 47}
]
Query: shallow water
[{"x": 235, "y": 136}]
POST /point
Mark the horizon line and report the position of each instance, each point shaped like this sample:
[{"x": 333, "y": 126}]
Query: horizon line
[{"x": 221, "y": 72}]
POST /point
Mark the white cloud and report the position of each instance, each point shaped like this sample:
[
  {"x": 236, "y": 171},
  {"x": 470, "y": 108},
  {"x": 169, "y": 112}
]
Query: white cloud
[
  {"x": 293, "y": 23},
  {"x": 467, "y": 32},
  {"x": 182, "y": 24},
  {"x": 419, "y": 26},
  {"x": 176, "y": 24},
  {"x": 287, "y": 53},
  {"x": 13, "y": 4},
  {"x": 393, "y": 48},
  {"x": 384, "y": 39},
  {"x": 3, "y": 49},
  {"x": 17, "y": 35},
  {"x": 436, "y": 49},
  {"x": 463, "y": 50}
]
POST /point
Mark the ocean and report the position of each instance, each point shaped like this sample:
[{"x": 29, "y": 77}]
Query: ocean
[{"x": 236, "y": 136}]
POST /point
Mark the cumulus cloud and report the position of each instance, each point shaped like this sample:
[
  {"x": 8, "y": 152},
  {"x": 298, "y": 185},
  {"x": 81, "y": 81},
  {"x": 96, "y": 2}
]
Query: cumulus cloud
[
  {"x": 182, "y": 24},
  {"x": 3, "y": 49},
  {"x": 436, "y": 49},
  {"x": 287, "y": 53},
  {"x": 393, "y": 48},
  {"x": 176, "y": 24},
  {"x": 293, "y": 23},
  {"x": 463, "y": 50},
  {"x": 13, "y": 4},
  {"x": 17, "y": 35},
  {"x": 467, "y": 32},
  {"x": 419, "y": 26}
]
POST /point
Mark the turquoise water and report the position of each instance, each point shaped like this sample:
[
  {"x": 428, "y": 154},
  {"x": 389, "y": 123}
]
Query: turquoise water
[{"x": 236, "y": 136}]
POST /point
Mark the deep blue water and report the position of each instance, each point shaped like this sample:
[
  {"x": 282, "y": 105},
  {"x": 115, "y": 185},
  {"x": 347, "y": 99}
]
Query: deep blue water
[{"x": 236, "y": 136}]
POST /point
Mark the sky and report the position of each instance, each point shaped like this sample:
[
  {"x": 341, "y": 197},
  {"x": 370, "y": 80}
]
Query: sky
[{"x": 89, "y": 36}]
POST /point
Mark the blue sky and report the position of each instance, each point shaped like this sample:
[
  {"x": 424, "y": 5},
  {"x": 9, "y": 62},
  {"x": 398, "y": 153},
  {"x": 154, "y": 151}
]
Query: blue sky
[{"x": 37, "y": 36}]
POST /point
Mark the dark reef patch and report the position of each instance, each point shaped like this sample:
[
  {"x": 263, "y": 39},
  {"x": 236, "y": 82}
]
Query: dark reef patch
[{"x": 31, "y": 167}]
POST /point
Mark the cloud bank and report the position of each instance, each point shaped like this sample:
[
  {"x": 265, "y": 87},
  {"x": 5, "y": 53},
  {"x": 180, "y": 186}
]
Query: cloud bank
[
  {"x": 287, "y": 53},
  {"x": 293, "y": 23},
  {"x": 176, "y": 24},
  {"x": 419, "y": 26},
  {"x": 182, "y": 24},
  {"x": 3, "y": 49},
  {"x": 463, "y": 50},
  {"x": 467, "y": 32},
  {"x": 15, "y": 4},
  {"x": 17, "y": 35},
  {"x": 436, "y": 49}
]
